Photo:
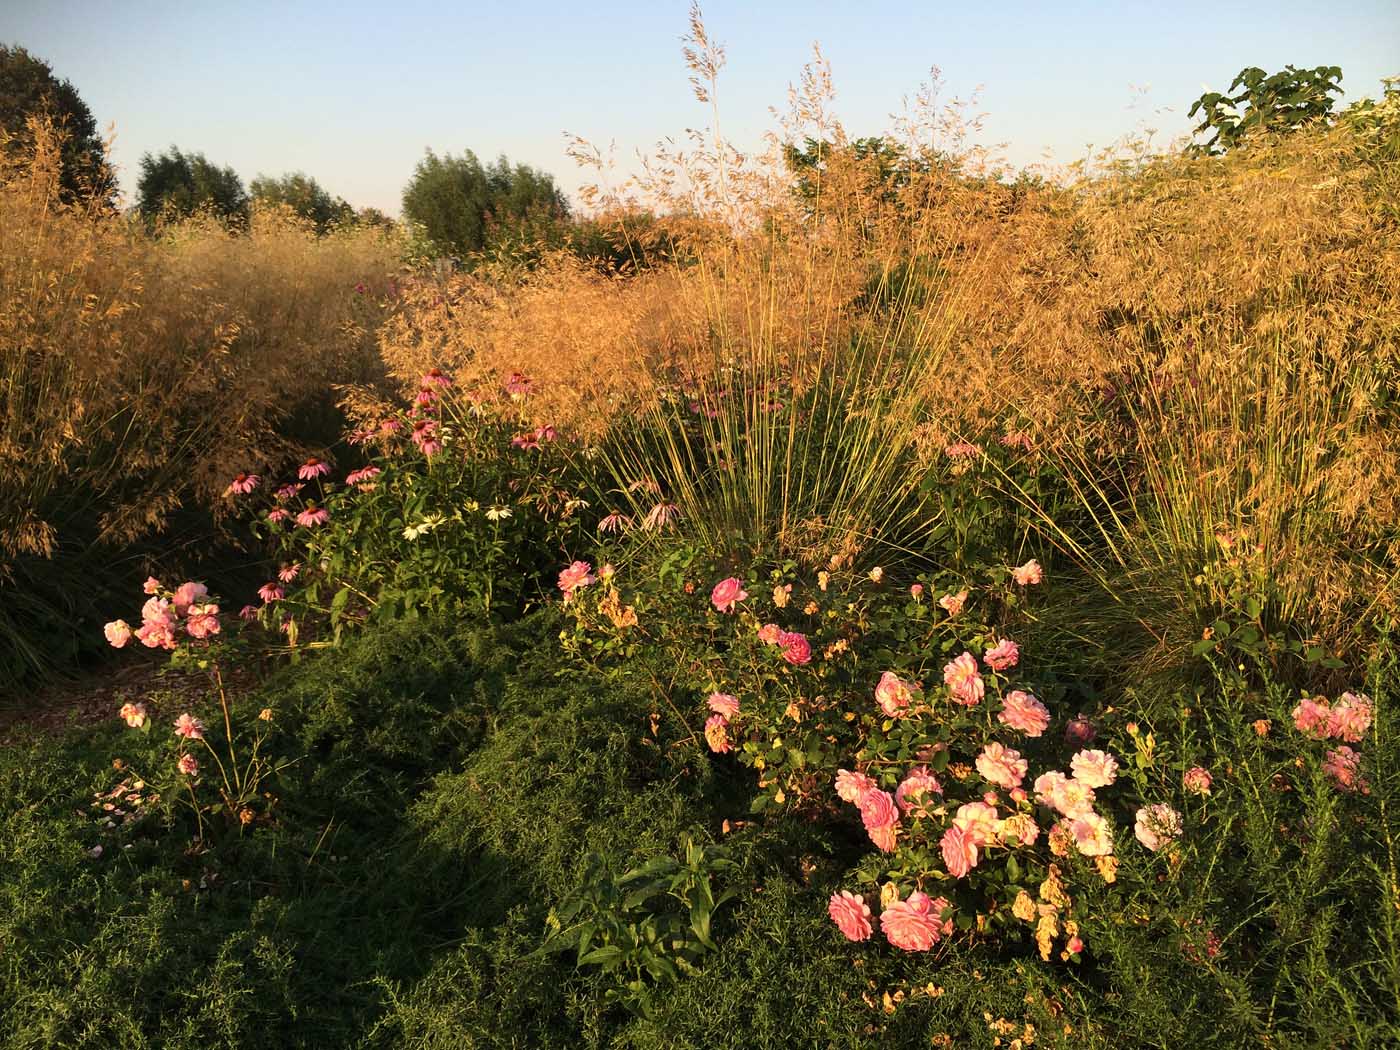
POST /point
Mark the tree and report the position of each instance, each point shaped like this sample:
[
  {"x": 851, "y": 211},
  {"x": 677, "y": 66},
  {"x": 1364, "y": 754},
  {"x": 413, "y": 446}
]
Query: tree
[
  {"x": 29, "y": 89},
  {"x": 175, "y": 185},
  {"x": 1284, "y": 101},
  {"x": 465, "y": 208},
  {"x": 305, "y": 197}
]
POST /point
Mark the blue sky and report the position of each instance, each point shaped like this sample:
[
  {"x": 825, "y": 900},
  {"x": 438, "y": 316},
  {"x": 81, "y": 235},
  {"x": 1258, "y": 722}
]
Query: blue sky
[{"x": 352, "y": 92}]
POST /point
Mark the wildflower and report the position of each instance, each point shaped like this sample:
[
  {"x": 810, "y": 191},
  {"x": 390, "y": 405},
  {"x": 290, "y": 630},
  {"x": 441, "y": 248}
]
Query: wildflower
[
  {"x": 1001, "y": 766},
  {"x": 497, "y": 513},
  {"x": 435, "y": 377},
  {"x": 1350, "y": 717},
  {"x": 203, "y": 620},
  {"x": 717, "y": 734},
  {"x": 893, "y": 694},
  {"x": 914, "y": 790},
  {"x": 1024, "y": 713},
  {"x": 851, "y": 915},
  {"x": 770, "y": 634},
  {"x": 1312, "y": 717},
  {"x": 727, "y": 594},
  {"x": 242, "y": 484},
  {"x": 133, "y": 714},
  {"x": 312, "y": 516},
  {"x": 916, "y": 591},
  {"x": 1028, "y": 574},
  {"x": 978, "y": 821},
  {"x": 964, "y": 680},
  {"x": 959, "y": 851},
  {"x": 1095, "y": 769},
  {"x": 1343, "y": 766},
  {"x": 118, "y": 633},
  {"x": 1080, "y": 732},
  {"x": 187, "y": 594},
  {"x": 916, "y": 924},
  {"x": 953, "y": 603},
  {"x": 189, "y": 727},
  {"x": 811, "y": 608},
  {"x": 1156, "y": 825},
  {"x": 961, "y": 450},
  {"x": 1005, "y": 654},
  {"x": 271, "y": 592},
  {"x": 518, "y": 386},
  {"x": 1197, "y": 781},
  {"x": 188, "y": 765},
  {"x": 248, "y": 612},
  {"x": 151, "y": 586},
  {"x": 288, "y": 572},
  {"x": 313, "y": 468},
  {"x": 424, "y": 436},
  {"x": 724, "y": 704},
  {"x": 277, "y": 515},
  {"x": 661, "y": 515},
  {"x": 851, "y": 787},
  {"x": 796, "y": 649},
  {"x": 363, "y": 479},
  {"x": 614, "y": 522},
  {"x": 289, "y": 491}
]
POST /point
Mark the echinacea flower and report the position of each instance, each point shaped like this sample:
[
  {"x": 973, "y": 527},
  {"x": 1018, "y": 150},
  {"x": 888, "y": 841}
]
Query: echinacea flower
[
  {"x": 1095, "y": 769},
  {"x": 614, "y": 522},
  {"x": 717, "y": 734},
  {"x": 248, "y": 612},
  {"x": 1001, "y": 766},
  {"x": 133, "y": 715},
  {"x": 851, "y": 915},
  {"x": 1002, "y": 656},
  {"x": 851, "y": 787},
  {"x": 312, "y": 516},
  {"x": 118, "y": 633},
  {"x": 724, "y": 704},
  {"x": 189, "y": 727},
  {"x": 363, "y": 478},
  {"x": 1028, "y": 574},
  {"x": 964, "y": 680},
  {"x": 893, "y": 694},
  {"x": 961, "y": 450},
  {"x": 289, "y": 490},
  {"x": 1197, "y": 780},
  {"x": 578, "y": 574},
  {"x": 916, "y": 924},
  {"x": 959, "y": 851},
  {"x": 796, "y": 649},
  {"x": 518, "y": 386},
  {"x": 288, "y": 572},
  {"x": 1156, "y": 825},
  {"x": 436, "y": 377},
  {"x": 242, "y": 484},
  {"x": 313, "y": 468},
  {"x": 1024, "y": 713},
  {"x": 277, "y": 515},
  {"x": 271, "y": 592},
  {"x": 187, "y": 764},
  {"x": 661, "y": 515},
  {"x": 727, "y": 594},
  {"x": 525, "y": 441},
  {"x": 424, "y": 436}
]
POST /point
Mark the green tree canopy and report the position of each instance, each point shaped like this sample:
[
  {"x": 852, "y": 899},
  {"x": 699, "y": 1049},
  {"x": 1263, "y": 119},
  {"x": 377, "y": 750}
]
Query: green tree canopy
[
  {"x": 304, "y": 196},
  {"x": 28, "y": 88},
  {"x": 176, "y": 184},
  {"x": 1283, "y": 101},
  {"x": 465, "y": 207}
]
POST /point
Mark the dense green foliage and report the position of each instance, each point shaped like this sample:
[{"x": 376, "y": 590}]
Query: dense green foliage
[
  {"x": 174, "y": 185},
  {"x": 1291, "y": 98},
  {"x": 306, "y": 198},
  {"x": 29, "y": 89}
]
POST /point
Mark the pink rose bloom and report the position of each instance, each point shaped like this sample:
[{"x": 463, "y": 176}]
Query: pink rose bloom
[
  {"x": 133, "y": 714},
  {"x": 189, "y": 727},
  {"x": 313, "y": 516},
  {"x": 1156, "y": 825},
  {"x": 914, "y": 790},
  {"x": 884, "y": 837},
  {"x": 203, "y": 621},
  {"x": 1024, "y": 713},
  {"x": 727, "y": 594},
  {"x": 1080, "y": 732},
  {"x": 1074, "y": 945},
  {"x": 770, "y": 633},
  {"x": 288, "y": 573},
  {"x": 157, "y": 610},
  {"x": 313, "y": 468},
  {"x": 1197, "y": 781},
  {"x": 156, "y": 634},
  {"x": 1092, "y": 834},
  {"x": 187, "y": 765},
  {"x": 1019, "y": 830},
  {"x": 724, "y": 704},
  {"x": 796, "y": 649},
  {"x": 1096, "y": 769},
  {"x": 1350, "y": 717},
  {"x": 118, "y": 633},
  {"x": 271, "y": 592},
  {"x": 1312, "y": 717},
  {"x": 579, "y": 574},
  {"x": 953, "y": 603},
  {"x": 187, "y": 594},
  {"x": 1003, "y": 655},
  {"x": 151, "y": 586},
  {"x": 959, "y": 851},
  {"x": 1072, "y": 798},
  {"x": 1001, "y": 766},
  {"x": 851, "y": 915},
  {"x": 964, "y": 680},
  {"x": 1343, "y": 766},
  {"x": 242, "y": 484},
  {"x": 717, "y": 734},
  {"x": 979, "y": 822},
  {"x": 916, "y": 591},
  {"x": 1028, "y": 574},
  {"x": 1018, "y": 795},
  {"x": 852, "y": 787},
  {"x": 893, "y": 694},
  {"x": 916, "y": 924},
  {"x": 877, "y": 809}
]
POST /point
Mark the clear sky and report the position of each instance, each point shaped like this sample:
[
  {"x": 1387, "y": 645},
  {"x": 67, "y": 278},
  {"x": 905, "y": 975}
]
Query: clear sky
[{"x": 353, "y": 91}]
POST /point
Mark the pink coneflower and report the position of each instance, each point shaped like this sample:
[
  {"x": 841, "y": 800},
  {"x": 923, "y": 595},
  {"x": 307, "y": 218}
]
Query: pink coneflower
[
  {"x": 312, "y": 469},
  {"x": 133, "y": 715},
  {"x": 289, "y": 490},
  {"x": 203, "y": 621},
  {"x": 248, "y": 612},
  {"x": 526, "y": 440},
  {"x": 614, "y": 522},
  {"x": 189, "y": 727},
  {"x": 851, "y": 915},
  {"x": 1016, "y": 439},
  {"x": 518, "y": 385},
  {"x": 437, "y": 378},
  {"x": 1028, "y": 574},
  {"x": 187, "y": 764},
  {"x": 271, "y": 592},
  {"x": 313, "y": 515},
  {"x": 361, "y": 436},
  {"x": 578, "y": 574},
  {"x": 727, "y": 594},
  {"x": 425, "y": 397},
  {"x": 151, "y": 586},
  {"x": 118, "y": 633},
  {"x": 388, "y": 427},
  {"x": 242, "y": 484},
  {"x": 661, "y": 515},
  {"x": 288, "y": 573},
  {"x": 277, "y": 515},
  {"x": 645, "y": 485},
  {"x": 363, "y": 478},
  {"x": 961, "y": 450},
  {"x": 1005, "y": 654},
  {"x": 964, "y": 680},
  {"x": 424, "y": 432}
]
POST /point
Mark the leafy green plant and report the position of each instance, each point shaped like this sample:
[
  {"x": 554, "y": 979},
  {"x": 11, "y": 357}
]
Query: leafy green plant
[{"x": 1283, "y": 101}]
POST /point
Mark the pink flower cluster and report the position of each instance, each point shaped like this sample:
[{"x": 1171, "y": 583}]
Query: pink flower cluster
[
  {"x": 1348, "y": 719},
  {"x": 797, "y": 650},
  {"x": 914, "y": 924},
  {"x": 163, "y": 618},
  {"x": 725, "y": 708}
]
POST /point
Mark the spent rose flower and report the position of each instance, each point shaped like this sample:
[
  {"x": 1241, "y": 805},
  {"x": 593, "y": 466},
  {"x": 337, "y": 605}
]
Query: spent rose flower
[
  {"x": 1005, "y": 654},
  {"x": 1156, "y": 825},
  {"x": 1197, "y": 780},
  {"x": 959, "y": 851},
  {"x": 1350, "y": 717},
  {"x": 893, "y": 694},
  {"x": 1080, "y": 732},
  {"x": 724, "y": 704},
  {"x": 728, "y": 593},
  {"x": 1028, "y": 574},
  {"x": 953, "y": 604},
  {"x": 914, "y": 791},
  {"x": 717, "y": 734},
  {"x": 578, "y": 574},
  {"x": 964, "y": 680},
  {"x": 851, "y": 787},
  {"x": 189, "y": 727},
  {"x": 133, "y": 715},
  {"x": 1024, "y": 713},
  {"x": 118, "y": 633},
  {"x": 1312, "y": 716},
  {"x": 1095, "y": 769},
  {"x": 1019, "y": 830},
  {"x": 1343, "y": 767},
  {"x": 851, "y": 915},
  {"x": 1001, "y": 766},
  {"x": 188, "y": 765},
  {"x": 770, "y": 634},
  {"x": 916, "y": 924},
  {"x": 203, "y": 620},
  {"x": 796, "y": 649}
]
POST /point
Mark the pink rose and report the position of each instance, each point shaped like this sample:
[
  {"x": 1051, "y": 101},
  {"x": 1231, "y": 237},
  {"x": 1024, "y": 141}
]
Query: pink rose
[
  {"x": 914, "y": 790},
  {"x": 953, "y": 603},
  {"x": 978, "y": 821},
  {"x": 189, "y": 727},
  {"x": 893, "y": 694},
  {"x": 1095, "y": 769},
  {"x": 1024, "y": 713},
  {"x": 727, "y": 594},
  {"x": 964, "y": 680},
  {"x": 796, "y": 649},
  {"x": 1001, "y": 766},
  {"x": 770, "y": 634},
  {"x": 717, "y": 734},
  {"x": 1343, "y": 767},
  {"x": 877, "y": 809},
  {"x": 1005, "y": 654},
  {"x": 1312, "y": 717},
  {"x": 1350, "y": 717},
  {"x": 151, "y": 586},
  {"x": 959, "y": 851},
  {"x": 578, "y": 574},
  {"x": 1028, "y": 574},
  {"x": 724, "y": 704},
  {"x": 203, "y": 621},
  {"x": 133, "y": 715},
  {"x": 187, "y": 594},
  {"x": 118, "y": 633},
  {"x": 916, "y": 591},
  {"x": 851, "y": 915},
  {"x": 852, "y": 787},
  {"x": 916, "y": 924},
  {"x": 1092, "y": 834},
  {"x": 1156, "y": 825},
  {"x": 1197, "y": 781}
]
